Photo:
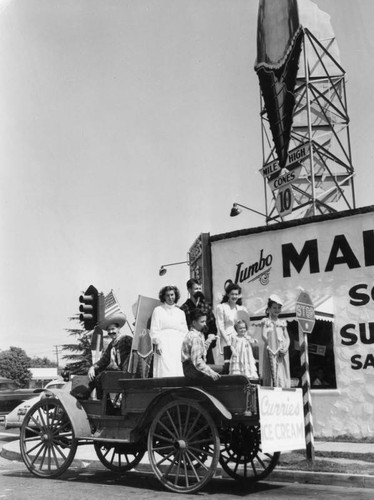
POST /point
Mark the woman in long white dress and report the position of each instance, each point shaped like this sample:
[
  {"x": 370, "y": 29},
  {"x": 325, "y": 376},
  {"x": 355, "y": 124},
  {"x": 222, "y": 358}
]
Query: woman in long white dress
[
  {"x": 227, "y": 315},
  {"x": 168, "y": 328},
  {"x": 276, "y": 363}
]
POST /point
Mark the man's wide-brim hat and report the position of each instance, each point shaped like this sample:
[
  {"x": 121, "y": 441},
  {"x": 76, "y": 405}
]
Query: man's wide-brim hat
[{"x": 116, "y": 318}]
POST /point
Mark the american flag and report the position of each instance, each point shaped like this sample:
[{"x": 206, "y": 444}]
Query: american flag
[{"x": 111, "y": 304}]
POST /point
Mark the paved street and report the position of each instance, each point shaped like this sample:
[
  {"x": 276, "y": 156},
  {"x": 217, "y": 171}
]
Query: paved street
[
  {"x": 95, "y": 482},
  {"x": 89, "y": 484}
]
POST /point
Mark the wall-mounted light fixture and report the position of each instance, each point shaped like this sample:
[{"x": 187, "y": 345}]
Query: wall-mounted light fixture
[
  {"x": 236, "y": 210},
  {"x": 163, "y": 269}
]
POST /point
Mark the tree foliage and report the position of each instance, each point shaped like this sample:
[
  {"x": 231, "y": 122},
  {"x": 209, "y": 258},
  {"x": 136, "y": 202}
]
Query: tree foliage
[
  {"x": 37, "y": 362},
  {"x": 15, "y": 364},
  {"x": 79, "y": 353}
]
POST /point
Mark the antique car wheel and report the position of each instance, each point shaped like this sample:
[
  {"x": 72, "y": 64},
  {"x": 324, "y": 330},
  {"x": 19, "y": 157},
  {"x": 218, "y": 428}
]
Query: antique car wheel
[
  {"x": 47, "y": 439},
  {"x": 183, "y": 446},
  {"x": 119, "y": 457},
  {"x": 241, "y": 455}
]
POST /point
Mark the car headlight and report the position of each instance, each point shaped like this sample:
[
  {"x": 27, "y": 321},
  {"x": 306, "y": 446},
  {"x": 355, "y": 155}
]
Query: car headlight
[{"x": 46, "y": 394}]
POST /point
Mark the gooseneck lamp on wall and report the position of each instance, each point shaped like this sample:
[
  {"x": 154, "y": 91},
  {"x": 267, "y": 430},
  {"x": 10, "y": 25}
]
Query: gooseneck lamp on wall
[
  {"x": 236, "y": 210},
  {"x": 163, "y": 269}
]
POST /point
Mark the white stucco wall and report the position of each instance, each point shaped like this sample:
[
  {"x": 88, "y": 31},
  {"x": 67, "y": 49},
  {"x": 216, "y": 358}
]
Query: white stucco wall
[{"x": 343, "y": 271}]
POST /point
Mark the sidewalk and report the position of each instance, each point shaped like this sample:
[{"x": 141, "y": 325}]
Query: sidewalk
[
  {"x": 360, "y": 454},
  {"x": 86, "y": 457}
]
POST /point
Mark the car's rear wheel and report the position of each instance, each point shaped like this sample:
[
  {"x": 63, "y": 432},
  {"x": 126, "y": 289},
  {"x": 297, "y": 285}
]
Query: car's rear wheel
[
  {"x": 119, "y": 457},
  {"x": 242, "y": 457}
]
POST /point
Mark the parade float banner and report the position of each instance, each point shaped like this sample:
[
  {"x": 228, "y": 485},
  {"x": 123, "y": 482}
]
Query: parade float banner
[
  {"x": 332, "y": 258},
  {"x": 282, "y": 419},
  {"x": 141, "y": 342},
  {"x": 141, "y": 351}
]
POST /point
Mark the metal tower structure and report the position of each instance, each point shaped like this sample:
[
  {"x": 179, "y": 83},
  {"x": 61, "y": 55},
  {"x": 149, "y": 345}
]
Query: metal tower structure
[{"x": 318, "y": 175}]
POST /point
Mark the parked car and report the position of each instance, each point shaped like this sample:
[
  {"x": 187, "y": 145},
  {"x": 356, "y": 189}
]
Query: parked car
[
  {"x": 55, "y": 384},
  {"x": 11, "y": 395},
  {"x": 15, "y": 418}
]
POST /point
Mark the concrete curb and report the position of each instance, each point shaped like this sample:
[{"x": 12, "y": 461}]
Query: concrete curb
[
  {"x": 323, "y": 478},
  {"x": 11, "y": 451}
]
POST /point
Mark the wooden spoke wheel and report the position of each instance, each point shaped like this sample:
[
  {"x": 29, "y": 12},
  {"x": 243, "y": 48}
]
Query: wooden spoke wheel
[
  {"x": 183, "y": 446},
  {"x": 47, "y": 439},
  {"x": 241, "y": 455},
  {"x": 119, "y": 457}
]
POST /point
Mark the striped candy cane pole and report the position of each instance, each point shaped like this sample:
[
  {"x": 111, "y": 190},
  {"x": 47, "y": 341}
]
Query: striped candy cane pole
[{"x": 307, "y": 400}]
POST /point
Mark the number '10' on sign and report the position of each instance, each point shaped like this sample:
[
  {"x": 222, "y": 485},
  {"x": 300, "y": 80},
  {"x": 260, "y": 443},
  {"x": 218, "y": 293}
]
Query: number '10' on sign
[{"x": 284, "y": 201}]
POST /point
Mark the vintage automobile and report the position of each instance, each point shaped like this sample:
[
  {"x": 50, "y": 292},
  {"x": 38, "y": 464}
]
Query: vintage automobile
[
  {"x": 11, "y": 395},
  {"x": 14, "y": 419},
  {"x": 185, "y": 425}
]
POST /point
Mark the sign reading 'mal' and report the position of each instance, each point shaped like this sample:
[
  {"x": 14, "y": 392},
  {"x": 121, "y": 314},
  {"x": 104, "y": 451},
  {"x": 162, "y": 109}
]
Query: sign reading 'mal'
[{"x": 294, "y": 158}]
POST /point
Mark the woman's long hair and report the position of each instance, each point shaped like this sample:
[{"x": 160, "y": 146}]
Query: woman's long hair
[{"x": 230, "y": 288}]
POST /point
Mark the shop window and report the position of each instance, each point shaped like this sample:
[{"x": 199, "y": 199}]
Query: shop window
[{"x": 321, "y": 355}]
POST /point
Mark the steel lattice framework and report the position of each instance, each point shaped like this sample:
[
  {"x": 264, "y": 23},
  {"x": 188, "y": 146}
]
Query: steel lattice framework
[{"x": 318, "y": 177}]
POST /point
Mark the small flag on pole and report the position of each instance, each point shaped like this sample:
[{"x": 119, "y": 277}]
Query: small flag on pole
[
  {"x": 111, "y": 304},
  {"x": 112, "y": 312}
]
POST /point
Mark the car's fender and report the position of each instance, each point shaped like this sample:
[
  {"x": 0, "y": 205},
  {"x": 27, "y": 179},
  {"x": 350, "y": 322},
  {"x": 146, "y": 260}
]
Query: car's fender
[
  {"x": 75, "y": 411},
  {"x": 216, "y": 403}
]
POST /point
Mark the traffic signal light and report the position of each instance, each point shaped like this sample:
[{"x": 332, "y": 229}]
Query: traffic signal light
[{"x": 89, "y": 308}]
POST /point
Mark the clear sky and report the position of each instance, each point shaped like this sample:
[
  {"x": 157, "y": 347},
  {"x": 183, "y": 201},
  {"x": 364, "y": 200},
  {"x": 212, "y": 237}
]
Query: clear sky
[{"x": 127, "y": 128}]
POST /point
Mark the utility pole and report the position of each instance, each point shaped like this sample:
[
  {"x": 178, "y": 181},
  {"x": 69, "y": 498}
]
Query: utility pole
[{"x": 56, "y": 347}]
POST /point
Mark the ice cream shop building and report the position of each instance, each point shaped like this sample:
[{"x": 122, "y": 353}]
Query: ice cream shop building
[{"x": 332, "y": 258}]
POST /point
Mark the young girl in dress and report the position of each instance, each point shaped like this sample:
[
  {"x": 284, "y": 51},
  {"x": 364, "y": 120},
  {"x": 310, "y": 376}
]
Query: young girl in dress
[
  {"x": 276, "y": 363},
  {"x": 242, "y": 361}
]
